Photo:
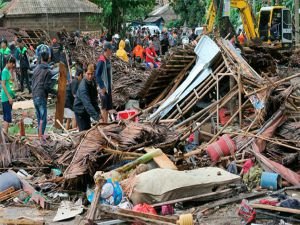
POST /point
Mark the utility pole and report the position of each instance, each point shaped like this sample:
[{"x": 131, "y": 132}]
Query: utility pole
[{"x": 297, "y": 21}]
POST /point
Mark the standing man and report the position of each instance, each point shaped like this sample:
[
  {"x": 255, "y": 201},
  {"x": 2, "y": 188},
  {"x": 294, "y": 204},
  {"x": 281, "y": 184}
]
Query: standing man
[
  {"x": 41, "y": 87},
  {"x": 104, "y": 80},
  {"x": 193, "y": 35},
  {"x": 164, "y": 43},
  {"x": 4, "y": 53},
  {"x": 70, "y": 97},
  {"x": 86, "y": 100},
  {"x": 24, "y": 65},
  {"x": 55, "y": 51},
  {"x": 7, "y": 92}
]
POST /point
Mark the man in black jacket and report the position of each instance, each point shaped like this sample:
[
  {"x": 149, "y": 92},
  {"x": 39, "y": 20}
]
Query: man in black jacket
[
  {"x": 24, "y": 65},
  {"x": 41, "y": 87},
  {"x": 86, "y": 101}
]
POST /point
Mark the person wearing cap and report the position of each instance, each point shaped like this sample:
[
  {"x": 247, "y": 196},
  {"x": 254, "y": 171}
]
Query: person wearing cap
[
  {"x": 24, "y": 65},
  {"x": 7, "y": 92},
  {"x": 70, "y": 97},
  {"x": 56, "y": 49},
  {"x": 41, "y": 88},
  {"x": 104, "y": 80},
  {"x": 86, "y": 101},
  {"x": 4, "y": 53},
  {"x": 121, "y": 53}
]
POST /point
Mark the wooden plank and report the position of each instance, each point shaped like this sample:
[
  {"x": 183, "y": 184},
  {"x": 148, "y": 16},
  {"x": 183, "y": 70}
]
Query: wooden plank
[
  {"x": 162, "y": 160},
  {"x": 203, "y": 197},
  {"x": 21, "y": 221},
  {"x": 61, "y": 95},
  {"x": 7, "y": 191},
  {"x": 10, "y": 195},
  {"x": 275, "y": 208}
]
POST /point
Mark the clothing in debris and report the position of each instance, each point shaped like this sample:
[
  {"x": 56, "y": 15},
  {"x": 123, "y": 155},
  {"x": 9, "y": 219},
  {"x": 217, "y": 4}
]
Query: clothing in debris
[
  {"x": 121, "y": 53},
  {"x": 86, "y": 104},
  {"x": 252, "y": 178}
]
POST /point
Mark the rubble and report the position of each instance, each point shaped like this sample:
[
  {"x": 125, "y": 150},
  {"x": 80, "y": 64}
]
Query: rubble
[{"x": 212, "y": 130}]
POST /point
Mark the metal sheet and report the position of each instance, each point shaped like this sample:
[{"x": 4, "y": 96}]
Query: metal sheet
[{"x": 206, "y": 51}]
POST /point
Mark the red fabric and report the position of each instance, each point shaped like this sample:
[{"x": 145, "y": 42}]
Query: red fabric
[
  {"x": 247, "y": 166},
  {"x": 144, "y": 208},
  {"x": 102, "y": 58},
  {"x": 223, "y": 117},
  {"x": 268, "y": 202},
  {"x": 151, "y": 52},
  {"x": 191, "y": 138}
]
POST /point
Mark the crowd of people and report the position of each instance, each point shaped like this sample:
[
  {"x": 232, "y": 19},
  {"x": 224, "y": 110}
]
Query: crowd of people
[{"x": 89, "y": 82}]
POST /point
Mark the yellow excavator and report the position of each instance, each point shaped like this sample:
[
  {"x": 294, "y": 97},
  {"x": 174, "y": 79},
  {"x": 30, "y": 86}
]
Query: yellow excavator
[{"x": 274, "y": 23}]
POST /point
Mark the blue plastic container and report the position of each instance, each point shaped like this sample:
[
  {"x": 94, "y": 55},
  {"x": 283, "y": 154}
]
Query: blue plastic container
[{"x": 270, "y": 181}]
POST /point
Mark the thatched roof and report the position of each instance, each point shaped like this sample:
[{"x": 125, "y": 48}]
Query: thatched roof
[{"x": 34, "y": 7}]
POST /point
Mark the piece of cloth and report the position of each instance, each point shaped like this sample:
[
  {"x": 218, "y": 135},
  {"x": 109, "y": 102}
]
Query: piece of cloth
[
  {"x": 268, "y": 202},
  {"x": 232, "y": 168},
  {"x": 8, "y": 180},
  {"x": 40, "y": 105},
  {"x": 247, "y": 166},
  {"x": 6, "y": 76},
  {"x": 121, "y": 53},
  {"x": 106, "y": 101},
  {"x": 290, "y": 203},
  {"x": 7, "y": 109},
  {"x": 41, "y": 81},
  {"x": 83, "y": 121},
  {"x": 71, "y": 93},
  {"x": 152, "y": 53},
  {"x": 68, "y": 113},
  {"x": 104, "y": 74},
  {"x": 252, "y": 178},
  {"x": 138, "y": 51},
  {"x": 86, "y": 100}
]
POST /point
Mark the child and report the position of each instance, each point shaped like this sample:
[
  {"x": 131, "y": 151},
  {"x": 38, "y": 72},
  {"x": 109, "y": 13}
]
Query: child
[{"x": 7, "y": 92}]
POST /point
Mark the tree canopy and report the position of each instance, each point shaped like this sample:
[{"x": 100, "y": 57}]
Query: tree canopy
[
  {"x": 191, "y": 11},
  {"x": 116, "y": 12}
]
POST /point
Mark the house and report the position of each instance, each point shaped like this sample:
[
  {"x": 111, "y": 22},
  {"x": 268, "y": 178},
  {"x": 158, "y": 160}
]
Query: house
[
  {"x": 154, "y": 20},
  {"x": 165, "y": 11},
  {"x": 50, "y": 15}
]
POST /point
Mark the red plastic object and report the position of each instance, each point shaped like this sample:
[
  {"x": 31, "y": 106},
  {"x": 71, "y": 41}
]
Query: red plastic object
[
  {"x": 268, "y": 202},
  {"x": 223, "y": 117},
  {"x": 246, "y": 212},
  {"x": 223, "y": 147},
  {"x": 247, "y": 166},
  {"x": 123, "y": 115}
]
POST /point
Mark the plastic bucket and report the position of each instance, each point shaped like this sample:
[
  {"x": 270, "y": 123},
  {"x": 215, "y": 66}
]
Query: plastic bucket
[
  {"x": 270, "y": 180},
  {"x": 223, "y": 147}
]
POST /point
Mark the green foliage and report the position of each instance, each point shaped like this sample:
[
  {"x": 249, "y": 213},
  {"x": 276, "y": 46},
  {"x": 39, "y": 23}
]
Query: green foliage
[
  {"x": 116, "y": 12},
  {"x": 2, "y": 3},
  {"x": 174, "y": 23},
  {"x": 191, "y": 11}
]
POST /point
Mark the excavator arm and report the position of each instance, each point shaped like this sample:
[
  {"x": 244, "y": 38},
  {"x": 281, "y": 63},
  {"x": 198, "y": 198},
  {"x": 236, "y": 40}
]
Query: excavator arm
[{"x": 245, "y": 13}]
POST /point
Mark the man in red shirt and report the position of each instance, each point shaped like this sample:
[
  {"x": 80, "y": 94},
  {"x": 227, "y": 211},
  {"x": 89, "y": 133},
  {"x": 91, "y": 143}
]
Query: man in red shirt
[{"x": 150, "y": 56}]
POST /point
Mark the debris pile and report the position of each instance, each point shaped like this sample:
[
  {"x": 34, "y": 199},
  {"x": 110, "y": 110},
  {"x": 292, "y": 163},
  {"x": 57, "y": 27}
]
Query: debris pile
[{"x": 214, "y": 132}]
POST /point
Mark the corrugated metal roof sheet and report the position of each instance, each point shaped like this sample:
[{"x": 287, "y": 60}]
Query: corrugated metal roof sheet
[
  {"x": 29, "y": 7},
  {"x": 152, "y": 19}
]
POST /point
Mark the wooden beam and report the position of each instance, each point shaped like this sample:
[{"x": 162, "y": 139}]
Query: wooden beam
[
  {"x": 275, "y": 208},
  {"x": 61, "y": 95},
  {"x": 162, "y": 160},
  {"x": 21, "y": 221}
]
